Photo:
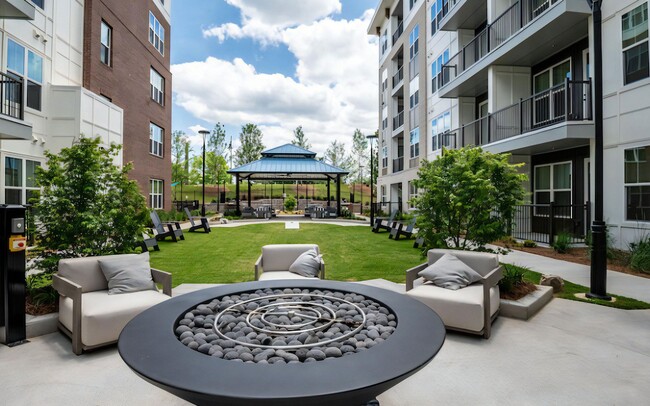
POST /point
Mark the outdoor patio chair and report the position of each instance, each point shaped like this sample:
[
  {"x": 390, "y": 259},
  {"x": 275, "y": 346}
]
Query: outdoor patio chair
[
  {"x": 204, "y": 224},
  {"x": 398, "y": 229},
  {"x": 148, "y": 242},
  {"x": 277, "y": 260},
  {"x": 379, "y": 222},
  {"x": 470, "y": 309},
  {"x": 91, "y": 315},
  {"x": 166, "y": 229}
]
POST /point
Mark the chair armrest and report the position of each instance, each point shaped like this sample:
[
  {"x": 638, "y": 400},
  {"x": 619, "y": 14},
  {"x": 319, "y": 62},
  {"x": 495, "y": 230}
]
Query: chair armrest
[
  {"x": 258, "y": 265},
  {"x": 490, "y": 280},
  {"x": 164, "y": 278},
  {"x": 322, "y": 269},
  {"x": 412, "y": 275},
  {"x": 493, "y": 278},
  {"x": 67, "y": 288}
]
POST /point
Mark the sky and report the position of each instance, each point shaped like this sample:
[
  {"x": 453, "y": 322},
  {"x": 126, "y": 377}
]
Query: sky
[{"x": 275, "y": 63}]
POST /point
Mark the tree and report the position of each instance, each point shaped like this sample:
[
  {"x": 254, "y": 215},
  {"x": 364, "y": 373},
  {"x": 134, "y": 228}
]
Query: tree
[
  {"x": 467, "y": 198},
  {"x": 335, "y": 155},
  {"x": 180, "y": 152},
  {"x": 299, "y": 138},
  {"x": 215, "y": 160},
  {"x": 359, "y": 152},
  {"x": 88, "y": 206},
  {"x": 251, "y": 144}
]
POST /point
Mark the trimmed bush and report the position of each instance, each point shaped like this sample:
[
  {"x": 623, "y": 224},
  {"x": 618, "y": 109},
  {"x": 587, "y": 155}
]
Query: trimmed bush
[{"x": 640, "y": 255}]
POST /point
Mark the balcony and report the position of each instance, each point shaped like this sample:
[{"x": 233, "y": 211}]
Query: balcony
[
  {"x": 462, "y": 14},
  {"x": 12, "y": 110},
  {"x": 398, "y": 78},
  {"x": 398, "y": 121},
  {"x": 557, "y": 118},
  {"x": 398, "y": 164},
  {"x": 398, "y": 32},
  {"x": 17, "y": 10},
  {"x": 522, "y": 36}
]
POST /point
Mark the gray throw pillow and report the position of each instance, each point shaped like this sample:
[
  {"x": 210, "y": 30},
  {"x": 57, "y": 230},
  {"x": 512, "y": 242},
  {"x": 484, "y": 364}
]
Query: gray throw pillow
[
  {"x": 127, "y": 273},
  {"x": 449, "y": 272},
  {"x": 307, "y": 264}
]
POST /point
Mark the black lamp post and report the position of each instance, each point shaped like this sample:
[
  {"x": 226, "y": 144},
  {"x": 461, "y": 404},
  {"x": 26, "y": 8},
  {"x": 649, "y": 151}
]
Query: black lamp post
[
  {"x": 203, "y": 133},
  {"x": 372, "y": 177},
  {"x": 598, "y": 274}
]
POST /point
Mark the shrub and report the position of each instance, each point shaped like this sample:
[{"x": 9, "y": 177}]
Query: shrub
[
  {"x": 562, "y": 243},
  {"x": 640, "y": 255},
  {"x": 512, "y": 277},
  {"x": 530, "y": 244},
  {"x": 289, "y": 203}
]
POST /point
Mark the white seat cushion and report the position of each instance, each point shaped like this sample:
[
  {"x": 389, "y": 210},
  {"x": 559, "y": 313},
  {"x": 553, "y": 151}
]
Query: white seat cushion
[
  {"x": 273, "y": 275},
  {"x": 462, "y": 308},
  {"x": 104, "y": 316}
]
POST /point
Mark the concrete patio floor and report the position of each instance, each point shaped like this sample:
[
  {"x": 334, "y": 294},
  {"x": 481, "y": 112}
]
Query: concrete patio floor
[{"x": 569, "y": 353}]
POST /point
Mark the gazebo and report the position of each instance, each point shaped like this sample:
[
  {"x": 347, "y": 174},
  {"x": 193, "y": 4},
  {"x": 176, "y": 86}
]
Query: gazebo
[{"x": 289, "y": 163}]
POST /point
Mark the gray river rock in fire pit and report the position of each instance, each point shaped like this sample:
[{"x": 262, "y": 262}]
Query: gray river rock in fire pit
[{"x": 284, "y": 326}]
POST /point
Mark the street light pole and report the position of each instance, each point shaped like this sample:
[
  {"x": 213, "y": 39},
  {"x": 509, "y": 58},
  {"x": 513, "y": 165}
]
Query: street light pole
[
  {"x": 598, "y": 275},
  {"x": 372, "y": 177},
  {"x": 203, "y": 133}
]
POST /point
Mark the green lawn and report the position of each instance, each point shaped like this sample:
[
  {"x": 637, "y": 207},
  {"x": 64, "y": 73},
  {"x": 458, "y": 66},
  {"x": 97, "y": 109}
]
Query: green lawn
[{"x": 228, "y": 254}]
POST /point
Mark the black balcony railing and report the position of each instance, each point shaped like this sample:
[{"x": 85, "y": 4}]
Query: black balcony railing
[
  {"x": 542, "y": 222},
  {"x": 398, "y": 120},
  {"x": 11, "y": 97},
  {"x": 517, "y": 16},
  {"x": 570, "y": 101},
  {"x": 398, "y": 164},
  {"x": 398, "y": 77},
  {"x": 398, "y": 32}
]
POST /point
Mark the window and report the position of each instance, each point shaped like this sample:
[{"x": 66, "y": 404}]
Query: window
[
  {"x": 106, "y": 38},
  {"x": 439, "y": 9},
  {"x": 23, "y": 62},
  {"x": 39, "y": 3},
  {"x": 383, "y": 40},
  {"x": 436, "y": 68},
  {"x": 157, "y": 87},
  {"x": 550, "y": 91},
  {"x": 414, "y": 138},
  {"x": 440, "y": 127},
  {"x": 412, "y": 3},
  {"x": 413, "y": 194},
  {"x": 20, "y": 180},
  {"x": 156, "y": 34},
  {"x": 552, "y": 184},
  {"x": 414, "y": 93},
  {"x": 156, "y": 193},
  {"x": 635, "y": 44},
  {"x": 155, "y": 140},
  {"x": 637, "y": 184},
  {"x": 384, "y": 195},
  {"x": 384, "y": 157},
  {"x": 413, "y": 41}
]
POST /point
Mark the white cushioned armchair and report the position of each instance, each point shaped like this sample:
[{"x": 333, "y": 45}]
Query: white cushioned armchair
[
  {"x": 87, "y": 313},
  {"x": 471, "y": 309},
  {"x": 276, "y": 259}
]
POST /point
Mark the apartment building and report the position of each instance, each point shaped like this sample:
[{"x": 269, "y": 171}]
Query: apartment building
[
  {"x": 515, "y": 77},
  {"x": 52, "y": 93}
]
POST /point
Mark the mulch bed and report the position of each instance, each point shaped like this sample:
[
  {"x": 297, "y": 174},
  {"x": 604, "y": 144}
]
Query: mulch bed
[
  {"x": 518, "y": 291},
  {"x": 38, "y": 310}
]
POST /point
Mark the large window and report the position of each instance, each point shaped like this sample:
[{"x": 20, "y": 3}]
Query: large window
[
  {"x": 440, "y": 127},
  {"x": 156, "y": 34},
  {"x": 155, "y": 140},
  {"x": 436, "y": 68},
  {"x": 414, "y": 93},
  {"x": 439, "y": 9},
  {"x": 413, "y": 194},
  {"x": 157, "y": 87},
  {"x": 106, "y": 38},
  {"x": 413, "y": 41},
  {"x": 552, "y": 185},
  {"x": 414, "y": 142},
  {"x": 21, "y": 63},
  {"x": 20, "y": 180},
  {"x": 156, "y": 193},
  {"x": 384, "y": 157},
  {"x": 635, "y": 44},
  {"x": 637, "y": 184}
]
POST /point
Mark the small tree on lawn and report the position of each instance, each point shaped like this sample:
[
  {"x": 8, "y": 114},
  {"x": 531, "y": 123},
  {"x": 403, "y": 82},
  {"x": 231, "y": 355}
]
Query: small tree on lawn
[
  {"x": 467, "y": 198},
  {"x": 87, "y": 205}
]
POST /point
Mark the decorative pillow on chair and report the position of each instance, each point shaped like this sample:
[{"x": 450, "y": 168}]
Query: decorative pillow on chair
[
  {"x": 126, "y": 274},
  {"x": 449, "y": 272},
  {"x": 307, "y": 264}
]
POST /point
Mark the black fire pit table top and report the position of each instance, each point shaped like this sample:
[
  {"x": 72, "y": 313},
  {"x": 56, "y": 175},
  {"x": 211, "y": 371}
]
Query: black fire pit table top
[{"x": 150, "y": 347}]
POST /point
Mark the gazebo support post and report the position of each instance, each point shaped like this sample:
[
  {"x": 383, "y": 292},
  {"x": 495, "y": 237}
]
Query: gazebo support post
[
  {"x": 249, "y": 192},
  {"x": 338, "y": 195},
  {"x": 328, "y": 192},
  {"x": 237, "y": 193}
]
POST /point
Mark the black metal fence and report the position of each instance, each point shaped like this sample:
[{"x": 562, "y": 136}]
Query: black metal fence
[
  {"x": 541, "y": 222},
  {"x": 11, "y": 97}
]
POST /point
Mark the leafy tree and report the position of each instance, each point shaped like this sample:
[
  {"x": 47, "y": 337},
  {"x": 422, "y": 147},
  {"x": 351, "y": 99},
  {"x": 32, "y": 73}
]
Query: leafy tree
[
  {"x": 180, "y": 152},
  {"x": 217, "y": 172},
  {"x": 251, "y": 144},
  {"x": 359, "y": 153},
  {"x": 215, "y": 161},
  {"x": 336, "y": 155},
  {"x": 87, "y": 206},
  {"x": 467, "y": 198},
  {"x": 299, "y": 138}
]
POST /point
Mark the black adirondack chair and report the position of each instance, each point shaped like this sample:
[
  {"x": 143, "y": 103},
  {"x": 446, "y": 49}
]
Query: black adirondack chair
[
  {"x": 379, "y": 222},
  {"x": 148, "y": 242},
  {"x": 398, "y": 229},
  {"x": 168, "y": 229},
  {"x": 201, "y": 224}
]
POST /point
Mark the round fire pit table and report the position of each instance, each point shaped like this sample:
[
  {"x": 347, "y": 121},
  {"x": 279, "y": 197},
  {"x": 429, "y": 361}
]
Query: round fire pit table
[{"x": 150, "y": 347}]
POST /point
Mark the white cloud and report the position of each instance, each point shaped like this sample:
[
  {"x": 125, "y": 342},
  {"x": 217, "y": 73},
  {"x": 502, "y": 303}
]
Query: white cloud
[{"x": 333, "y": 91}]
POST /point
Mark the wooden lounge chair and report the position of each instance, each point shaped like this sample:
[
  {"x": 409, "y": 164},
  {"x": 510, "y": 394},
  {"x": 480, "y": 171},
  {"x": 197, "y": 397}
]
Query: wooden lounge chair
[
  {"x": 203, "y": 221},
  {"x": 148, "y": 242},
  {"x": 379, "y": 222},
  {"x": 165, "y": 230},
  {"x": 398, "y": 229}
]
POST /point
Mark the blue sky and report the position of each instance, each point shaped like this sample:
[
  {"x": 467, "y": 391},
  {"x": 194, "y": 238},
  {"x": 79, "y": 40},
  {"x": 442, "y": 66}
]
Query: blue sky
[{"x": 276, "y": 63}]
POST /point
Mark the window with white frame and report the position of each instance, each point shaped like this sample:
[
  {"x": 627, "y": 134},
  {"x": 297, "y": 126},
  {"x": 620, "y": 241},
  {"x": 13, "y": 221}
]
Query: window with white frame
[
  {"x": 637, "y": 184},
  {"x": 39, "y": 3},
  {"x": 24, "y": 63},
  {"x": 156, "y": 193},
  {"x": 383, "y": 40},
  {"x": 157, "y": 87},
  {"x": 384, "y": 195},
  {"x": 20, "y": 180},
  {"x": 635, "y": 44},
  {"x": 155, "y": 140},
  {"x": 552, "y": 185},
  {"x": 436, "y": 68},
  {"x": 413, "y": 194},
  {"x": 413, "y": 41},
  {"x": 414, "y": 142},
  {"x": 384, "y": 156},
  {"x": 414, "y": 93},
  {"x": 156, "y": 34},
  {"x": 438, "y": 11},
  {"x": 106, "y": 37},
  {"x": 440, "y": 127}
]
